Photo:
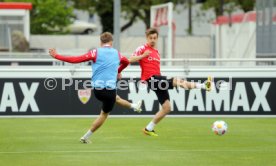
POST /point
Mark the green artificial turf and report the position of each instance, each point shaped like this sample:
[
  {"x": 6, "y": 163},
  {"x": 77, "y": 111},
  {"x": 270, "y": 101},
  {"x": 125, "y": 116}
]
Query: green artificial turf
[{"x": 181, "y": 141}]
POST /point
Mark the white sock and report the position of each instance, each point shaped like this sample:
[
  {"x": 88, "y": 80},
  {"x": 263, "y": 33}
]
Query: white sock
[
  {"x": 150, "y": 126},
  {"x": 200, "y": 86},
  {"x": 133, "y": 105},
  {"x": 87, "y": 134}
]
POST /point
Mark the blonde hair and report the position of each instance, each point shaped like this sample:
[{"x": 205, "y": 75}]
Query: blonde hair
[{"x": 106, "y": 37}]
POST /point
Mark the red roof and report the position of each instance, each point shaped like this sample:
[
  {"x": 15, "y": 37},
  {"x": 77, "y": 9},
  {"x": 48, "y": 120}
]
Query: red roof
[
  {"x": 237, "y": 18},
  {"x": 16, "y": 5}
]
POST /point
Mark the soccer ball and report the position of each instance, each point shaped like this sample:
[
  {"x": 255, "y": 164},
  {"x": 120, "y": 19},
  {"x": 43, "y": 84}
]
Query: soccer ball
[{"x": 219, "y": 127}]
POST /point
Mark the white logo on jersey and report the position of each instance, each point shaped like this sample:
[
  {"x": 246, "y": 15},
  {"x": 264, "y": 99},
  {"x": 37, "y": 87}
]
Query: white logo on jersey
[
  {"x": 93, "y": 53},
  {"x": 153, "y": 59}
]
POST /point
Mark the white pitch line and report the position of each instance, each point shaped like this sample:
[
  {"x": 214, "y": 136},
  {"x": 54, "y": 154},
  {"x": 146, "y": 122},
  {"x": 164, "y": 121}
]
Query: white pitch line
[{"x": 128, "y": 151}]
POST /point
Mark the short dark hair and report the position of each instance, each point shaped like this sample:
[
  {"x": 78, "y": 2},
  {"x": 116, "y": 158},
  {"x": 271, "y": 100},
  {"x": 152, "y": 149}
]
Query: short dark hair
[
  {"x": 106, "y": 37},
  {"x": 151, "y": 31}
]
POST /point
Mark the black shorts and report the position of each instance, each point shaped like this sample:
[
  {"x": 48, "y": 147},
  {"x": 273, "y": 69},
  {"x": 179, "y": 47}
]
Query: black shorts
[
  {"x": 160, "y": 85},
  {"x": 107, "y": 97}
]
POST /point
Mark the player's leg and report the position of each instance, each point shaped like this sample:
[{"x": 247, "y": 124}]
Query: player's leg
[
  {"x": 166, "y": 109},
  {"x": 164, "y": 100},
  {"x": 192, "y": 85},
  {"x": 99, "y": 121},
  {"x": 124, "y": 103},
  {"x": 108, "y": 98},
  {"x": 95, "y": 125}
]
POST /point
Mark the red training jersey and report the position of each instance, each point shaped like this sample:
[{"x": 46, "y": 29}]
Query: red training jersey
[
  {"x": 149, "y": 65},
  {"x": 91, "y": 55}
]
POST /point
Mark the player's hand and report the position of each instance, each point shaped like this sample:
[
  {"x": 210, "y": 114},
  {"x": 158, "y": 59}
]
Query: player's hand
[
  {"x": 146, "y": 53},
  {"x": 119, "y": 76},
  {"x": 53, "y": 52}
]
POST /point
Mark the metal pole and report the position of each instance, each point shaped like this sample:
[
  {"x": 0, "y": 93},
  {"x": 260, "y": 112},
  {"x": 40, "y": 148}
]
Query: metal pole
[
  {"x": 221, "y": 7},
  {"x": 170, "y": 32},
  {"x": 117, "y": 28},
  {"x": 9, "y": 38},
  {"x": 190, "y": 28}
]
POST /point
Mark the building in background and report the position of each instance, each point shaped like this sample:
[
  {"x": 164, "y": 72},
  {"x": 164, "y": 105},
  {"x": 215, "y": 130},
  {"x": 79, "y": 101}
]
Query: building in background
[
  {"x": 266, "y": 28},
  {"x": 235, "y": 36},
  {"x": 14, "y": 16}
]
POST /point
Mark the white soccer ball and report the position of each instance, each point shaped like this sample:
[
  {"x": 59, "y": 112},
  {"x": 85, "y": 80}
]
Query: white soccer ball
[{"x": 219, "y": 127}]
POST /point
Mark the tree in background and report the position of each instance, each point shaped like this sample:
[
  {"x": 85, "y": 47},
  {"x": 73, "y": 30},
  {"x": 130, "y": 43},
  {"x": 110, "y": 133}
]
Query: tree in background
[
  {"x": 52, "y": 16},
  {"x": 48, "y": 16},
  {"x": 141, "y": 10},
  {"x": 133, "y": 11},
  {"x": 230, "y": 5},
  {"x": 104, "y": 9},
  {"x": 246, "y": 5}
]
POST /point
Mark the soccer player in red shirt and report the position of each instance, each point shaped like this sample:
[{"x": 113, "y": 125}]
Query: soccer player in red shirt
[
  {"x": 149, "y": 59},
  {"x": 107, "y": 66}
]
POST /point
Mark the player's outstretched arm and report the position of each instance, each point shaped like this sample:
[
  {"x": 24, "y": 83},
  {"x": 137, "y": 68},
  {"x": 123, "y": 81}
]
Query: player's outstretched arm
[
  {"x": 72, "y": 59},
  {"x": 53, "y": 52},
  {"x": 136, "y": 58}
]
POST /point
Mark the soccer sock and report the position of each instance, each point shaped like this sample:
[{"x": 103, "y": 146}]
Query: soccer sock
[
  {"x": 200, "y": 86},
  {"x": 133, "y": 105},
  {"x": 87, "y": 134},
  {"x": 150, "y": 126}
]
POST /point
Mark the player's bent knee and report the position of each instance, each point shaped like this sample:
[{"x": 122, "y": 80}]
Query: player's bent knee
[
  {"x": 104, "y": 114},
  {"x": 177, "y": 82},
  {"x": 118, "y": 98}
]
